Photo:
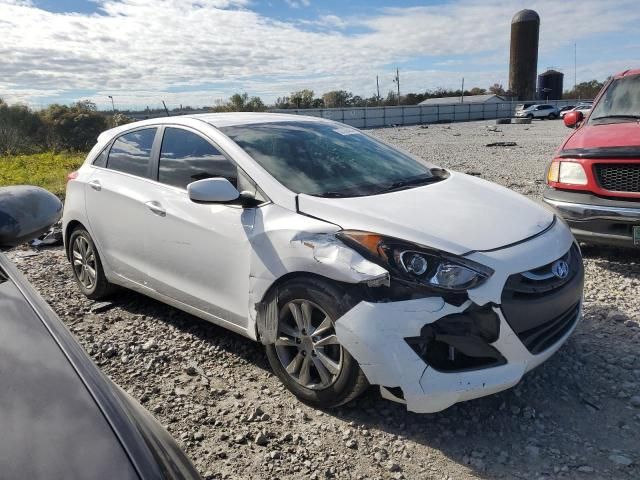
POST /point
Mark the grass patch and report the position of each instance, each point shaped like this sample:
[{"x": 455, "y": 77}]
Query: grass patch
[{"x": 47, "y": 170}]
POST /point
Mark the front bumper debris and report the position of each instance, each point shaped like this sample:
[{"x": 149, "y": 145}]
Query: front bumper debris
[
  {"x": 596, "y": 220},
  {"x": 430, "y": 354}
]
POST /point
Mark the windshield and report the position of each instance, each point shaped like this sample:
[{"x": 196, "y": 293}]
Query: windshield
[
  {"x": 326, "y": 159},
  {"x": 620, "y": 100}
]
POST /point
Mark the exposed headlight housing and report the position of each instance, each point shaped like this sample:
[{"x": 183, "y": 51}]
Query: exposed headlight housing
[
  {"x": 416, "y": 264},
  {"x": 567, "y": 172}
]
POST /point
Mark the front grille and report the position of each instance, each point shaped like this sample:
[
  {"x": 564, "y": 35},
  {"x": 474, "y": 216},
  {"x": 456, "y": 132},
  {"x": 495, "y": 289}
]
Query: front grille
[
  {"x": 541, "y": 307},
  {"x": 619, "y": 177},
  {"x": 538, "y": 339}
]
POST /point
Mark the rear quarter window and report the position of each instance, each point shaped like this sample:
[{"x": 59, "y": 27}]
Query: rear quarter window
[
  {"x": 131, "y": 152},
  {"x": 101, "y": 159}
]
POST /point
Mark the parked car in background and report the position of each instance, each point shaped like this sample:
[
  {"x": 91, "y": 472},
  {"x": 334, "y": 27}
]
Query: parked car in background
[
  {"x": 522, "y": 106},
  {"x": 60, "y": 417},
  {"x": 594, "y": 178},
  {"x": 565, "y": 108},
  {"x": 543, "y": 111},
  {"x": 319, "y": 241},
  {"x": 584, "y": 108}
]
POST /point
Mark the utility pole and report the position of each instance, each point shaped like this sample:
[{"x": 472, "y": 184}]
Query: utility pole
[
  {"x": 575, "y": 67},
  {"x": 113, "y": 105},
  {"x": 462, "y": 92},
  {"x": 378, "y": 87},
  {"x": 397, "y": 81}
]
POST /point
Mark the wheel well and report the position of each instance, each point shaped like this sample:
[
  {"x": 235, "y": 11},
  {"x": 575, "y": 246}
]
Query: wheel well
[
  {"x": 71, "y": 226},
  {"x": 353, "y": 292}
]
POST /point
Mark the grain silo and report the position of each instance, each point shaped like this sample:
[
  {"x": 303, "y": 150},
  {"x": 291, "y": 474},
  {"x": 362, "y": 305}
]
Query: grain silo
[
  {"x": 523, "y": 61},
  {"x": 550, "y": 85}
]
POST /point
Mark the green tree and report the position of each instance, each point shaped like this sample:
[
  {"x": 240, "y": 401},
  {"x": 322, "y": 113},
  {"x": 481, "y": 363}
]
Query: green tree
[
  {"x": 302, "y": 99},
  {"x": 21, "y": 130},
  {"x": 585, "y": 90},
  {"x": 74, "y": 127},
  {"x": 337, "y": 98},
  {"x": 497, "y": 89}
]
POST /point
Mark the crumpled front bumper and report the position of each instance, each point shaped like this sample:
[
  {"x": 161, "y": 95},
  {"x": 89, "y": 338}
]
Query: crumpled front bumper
[{"x": 375, "y": 334}]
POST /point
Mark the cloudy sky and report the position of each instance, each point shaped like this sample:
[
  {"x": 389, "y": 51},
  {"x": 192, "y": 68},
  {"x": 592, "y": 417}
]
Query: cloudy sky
[{"x": 196, "y": 52}]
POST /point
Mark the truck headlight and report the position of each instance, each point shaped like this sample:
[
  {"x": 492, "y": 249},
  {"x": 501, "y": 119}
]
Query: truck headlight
[{"x": 567, "y": 172}]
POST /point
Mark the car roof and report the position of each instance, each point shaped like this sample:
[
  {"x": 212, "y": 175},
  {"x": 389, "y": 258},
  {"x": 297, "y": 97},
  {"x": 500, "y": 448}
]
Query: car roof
[{"x": 218, "y": 120}]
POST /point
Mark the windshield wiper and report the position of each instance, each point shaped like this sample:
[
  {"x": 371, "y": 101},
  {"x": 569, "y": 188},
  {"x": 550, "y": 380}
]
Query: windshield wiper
[{"x": 409, "y": 182}]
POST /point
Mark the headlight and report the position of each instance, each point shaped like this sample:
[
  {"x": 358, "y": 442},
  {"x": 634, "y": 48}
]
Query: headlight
[
  {"x": 570, "y": 173},
  {"x": 416, "y": 264}
]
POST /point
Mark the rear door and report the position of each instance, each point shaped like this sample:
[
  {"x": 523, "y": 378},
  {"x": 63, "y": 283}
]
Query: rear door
[
  {"x": 118, "y": 204},
  {"x": 200, "y": 251}
]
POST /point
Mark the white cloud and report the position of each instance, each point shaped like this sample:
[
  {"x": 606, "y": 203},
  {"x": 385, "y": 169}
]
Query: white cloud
[
  {"x": 298, "y": 3},
  {"x": 142, "y": 51}
]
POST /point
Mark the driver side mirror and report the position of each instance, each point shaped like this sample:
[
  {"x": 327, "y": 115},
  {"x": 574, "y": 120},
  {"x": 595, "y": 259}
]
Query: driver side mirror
[
  {"x": 25, "y": 213},
  {"x": 212, "y": 190},
  {"x": 571, "y": 119}
]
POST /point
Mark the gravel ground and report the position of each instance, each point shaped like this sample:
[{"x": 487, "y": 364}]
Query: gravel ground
[{"x": 576, "y": 416}]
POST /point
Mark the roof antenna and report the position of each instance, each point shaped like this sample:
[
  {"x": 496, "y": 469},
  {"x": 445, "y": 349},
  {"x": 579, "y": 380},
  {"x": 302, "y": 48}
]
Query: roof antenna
[{"x": 166, "y": 110}]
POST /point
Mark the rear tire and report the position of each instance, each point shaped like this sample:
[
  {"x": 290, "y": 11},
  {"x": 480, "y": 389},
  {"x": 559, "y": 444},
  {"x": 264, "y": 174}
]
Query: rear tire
[
  {"x": 307, "y": 357},
  {"x": 86, "y": 265},
  {"x": 552, "y": 116}
]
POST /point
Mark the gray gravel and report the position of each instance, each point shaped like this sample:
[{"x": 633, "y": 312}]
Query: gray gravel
[{"x": 576, "y": 416}]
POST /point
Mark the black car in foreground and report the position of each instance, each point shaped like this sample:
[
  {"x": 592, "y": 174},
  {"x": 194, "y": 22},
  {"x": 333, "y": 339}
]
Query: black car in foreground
[{"x": 60, "y": 417}]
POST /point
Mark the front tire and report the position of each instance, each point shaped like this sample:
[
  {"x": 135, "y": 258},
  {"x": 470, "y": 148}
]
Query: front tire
[
  {"x": 530, "y": 116},
  {"x": 87, "y": 267},
  {"x": 307, "y": 356}
]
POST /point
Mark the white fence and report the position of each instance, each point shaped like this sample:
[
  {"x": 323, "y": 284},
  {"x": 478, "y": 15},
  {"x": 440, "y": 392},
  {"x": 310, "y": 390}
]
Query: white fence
[{"x": 371, "y": 117}]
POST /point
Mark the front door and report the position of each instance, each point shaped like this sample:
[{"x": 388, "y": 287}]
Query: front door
[{"x": 201, "y": 251}]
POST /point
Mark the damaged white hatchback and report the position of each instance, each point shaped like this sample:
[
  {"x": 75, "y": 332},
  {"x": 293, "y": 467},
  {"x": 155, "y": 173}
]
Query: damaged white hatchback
[{"x": 353, "y": 262}]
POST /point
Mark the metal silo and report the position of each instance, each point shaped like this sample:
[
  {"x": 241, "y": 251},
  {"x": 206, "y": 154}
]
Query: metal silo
[
  {"x": 523, "y": 64},
  {"x": 550, "y": 85}
]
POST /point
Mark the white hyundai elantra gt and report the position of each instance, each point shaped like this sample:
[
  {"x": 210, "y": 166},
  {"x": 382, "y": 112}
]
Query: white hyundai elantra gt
[{"x": 354, "y": 263}]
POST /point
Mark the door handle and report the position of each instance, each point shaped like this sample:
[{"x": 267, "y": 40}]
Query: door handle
[
  {"x": 95, "y": 184},
  {"x": 156, "y": 208}
]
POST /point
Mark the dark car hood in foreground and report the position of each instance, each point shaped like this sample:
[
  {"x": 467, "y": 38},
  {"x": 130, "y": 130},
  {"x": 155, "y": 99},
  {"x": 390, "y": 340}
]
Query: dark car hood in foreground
[
  {"x": 50, "y": 424},
  {"x": 60, "y": 417}
]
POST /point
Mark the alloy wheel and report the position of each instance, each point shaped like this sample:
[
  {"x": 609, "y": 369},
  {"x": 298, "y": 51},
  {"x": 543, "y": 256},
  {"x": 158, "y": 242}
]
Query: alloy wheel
[
  {"x": 307, "y": 345},
  {"x": 84, "y": 262}
]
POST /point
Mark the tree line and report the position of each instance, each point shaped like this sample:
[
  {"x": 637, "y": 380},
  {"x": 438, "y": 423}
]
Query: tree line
[
  {"x": 76, "y": 127},
  {"x": 58, "y": 127}
]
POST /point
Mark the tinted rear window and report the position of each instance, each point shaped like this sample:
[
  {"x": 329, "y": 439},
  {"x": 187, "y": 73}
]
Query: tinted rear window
[
  {"x": 186, "y": 157},
  {"x": 131, "y": 153}
]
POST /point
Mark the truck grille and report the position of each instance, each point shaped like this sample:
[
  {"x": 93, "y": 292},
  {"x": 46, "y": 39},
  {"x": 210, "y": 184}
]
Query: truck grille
[
  {"x": 619, "y": 177},
  {"x": 539, "y": 306}
]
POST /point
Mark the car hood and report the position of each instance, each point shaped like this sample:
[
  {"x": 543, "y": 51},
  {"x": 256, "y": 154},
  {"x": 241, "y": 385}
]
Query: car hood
[
  {"x": 457, "y": 215},
  {"x": 621, "y": 134}
]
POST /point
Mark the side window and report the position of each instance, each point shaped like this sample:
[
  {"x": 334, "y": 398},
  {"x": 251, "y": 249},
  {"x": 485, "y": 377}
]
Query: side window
[
  {"x": 131, "y": 152},
  {"x": 101, "y": 159},
  {"x": 186, "y": 157}
]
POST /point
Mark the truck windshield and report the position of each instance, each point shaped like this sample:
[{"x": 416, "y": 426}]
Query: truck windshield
[
  {"x": 620, "y": 101},
  {"x": 330, "y": 160}
]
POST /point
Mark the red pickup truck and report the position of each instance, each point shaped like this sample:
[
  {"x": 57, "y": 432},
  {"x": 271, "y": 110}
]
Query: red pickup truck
[{"x": 594, "y": 177}]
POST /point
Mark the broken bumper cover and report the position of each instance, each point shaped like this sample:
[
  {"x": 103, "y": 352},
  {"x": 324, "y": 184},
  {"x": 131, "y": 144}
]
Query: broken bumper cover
[
  {"x": 375, "y": 334},
  {"x": 379, "y": 335}
]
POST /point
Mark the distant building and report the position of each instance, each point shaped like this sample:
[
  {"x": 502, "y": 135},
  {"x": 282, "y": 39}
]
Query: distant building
[
  {"x": 490, "y": 98},
  {"x": 550, "y": 85}
]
